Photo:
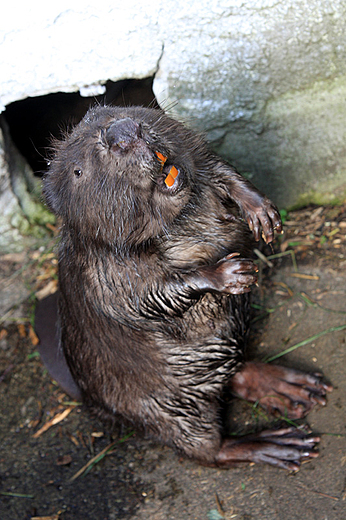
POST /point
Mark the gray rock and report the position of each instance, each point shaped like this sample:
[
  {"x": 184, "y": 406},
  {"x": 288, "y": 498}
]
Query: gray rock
[{"x": 265, "y": 80}]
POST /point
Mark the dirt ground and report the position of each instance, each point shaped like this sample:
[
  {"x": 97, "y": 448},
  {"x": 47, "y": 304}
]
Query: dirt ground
[{"x": 301, "y": 309}]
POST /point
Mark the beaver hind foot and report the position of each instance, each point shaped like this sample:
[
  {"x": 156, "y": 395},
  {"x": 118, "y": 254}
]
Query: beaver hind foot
[
  {"x": 285, "y": 448},
  {"x": 289, "y": 392}
]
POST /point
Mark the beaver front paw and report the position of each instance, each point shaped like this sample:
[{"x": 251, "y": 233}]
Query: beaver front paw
[
  {"x": 231, "y": 275},
  {"x": 260, "y": 212}
]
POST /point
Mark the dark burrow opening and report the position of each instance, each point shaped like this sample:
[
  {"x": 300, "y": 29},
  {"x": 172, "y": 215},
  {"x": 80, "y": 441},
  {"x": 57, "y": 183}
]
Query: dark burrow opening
[{"x": 33, "y": 122}]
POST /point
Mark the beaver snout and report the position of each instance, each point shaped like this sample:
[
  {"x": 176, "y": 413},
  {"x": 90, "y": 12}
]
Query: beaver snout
[{"x": 122, "y": 133}]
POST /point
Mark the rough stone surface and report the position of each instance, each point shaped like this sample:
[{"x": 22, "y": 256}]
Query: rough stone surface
[
  {"x": 8, "y": 203},
  {"x": 76, "y": 46},
  {"x": 20, "y": 208},
  {"x": 266, "y": 80}
]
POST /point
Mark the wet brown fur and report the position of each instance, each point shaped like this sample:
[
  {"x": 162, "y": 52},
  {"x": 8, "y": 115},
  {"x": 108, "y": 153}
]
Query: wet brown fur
[{"x": 150, "y": 329}]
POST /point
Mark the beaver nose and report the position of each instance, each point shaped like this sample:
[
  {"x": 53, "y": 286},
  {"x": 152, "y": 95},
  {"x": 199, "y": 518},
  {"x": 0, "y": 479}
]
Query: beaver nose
[{"x": 122, "y": 133}]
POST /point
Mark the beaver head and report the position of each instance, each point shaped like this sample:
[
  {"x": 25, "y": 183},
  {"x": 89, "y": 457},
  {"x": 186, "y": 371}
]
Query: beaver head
[{"x": 123, "y": 175}]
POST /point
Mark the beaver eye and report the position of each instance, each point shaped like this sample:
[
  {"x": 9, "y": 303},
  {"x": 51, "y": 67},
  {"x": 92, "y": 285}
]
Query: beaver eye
[{"x": 78, "y": 172}]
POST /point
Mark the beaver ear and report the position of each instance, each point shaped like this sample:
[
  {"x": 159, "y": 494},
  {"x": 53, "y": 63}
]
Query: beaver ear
[{"x": 50, "y": 194}]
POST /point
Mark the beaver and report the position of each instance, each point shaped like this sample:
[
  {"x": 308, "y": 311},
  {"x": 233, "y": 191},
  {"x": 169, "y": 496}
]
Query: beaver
[{"x": 155, "y": 269}]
